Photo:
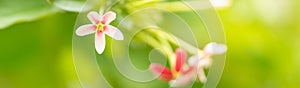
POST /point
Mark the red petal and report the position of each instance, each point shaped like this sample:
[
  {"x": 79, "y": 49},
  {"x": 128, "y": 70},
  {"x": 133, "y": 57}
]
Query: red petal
[
  {"x": 165, "y": 73},
  {"x": 180, "y": 59}
]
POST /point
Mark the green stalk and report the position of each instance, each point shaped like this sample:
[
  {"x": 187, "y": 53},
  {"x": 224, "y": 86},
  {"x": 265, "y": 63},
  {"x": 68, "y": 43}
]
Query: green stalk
[
  {"x": 177, "y": 41},
  {"x": 166, "y": 49},
  {"x": 160, "y": 39}
]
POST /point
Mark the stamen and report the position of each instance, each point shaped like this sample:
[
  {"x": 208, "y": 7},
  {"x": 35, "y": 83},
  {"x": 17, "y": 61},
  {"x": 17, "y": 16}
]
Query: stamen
[{"x": 100, "y": 26}]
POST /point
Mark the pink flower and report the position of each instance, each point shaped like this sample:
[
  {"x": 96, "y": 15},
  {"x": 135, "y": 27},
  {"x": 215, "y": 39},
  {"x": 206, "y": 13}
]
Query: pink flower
[
  {"x": 177, "y": 76},
  {"x": 100, "y": 26},
  {"x": 204, "y": 59}
]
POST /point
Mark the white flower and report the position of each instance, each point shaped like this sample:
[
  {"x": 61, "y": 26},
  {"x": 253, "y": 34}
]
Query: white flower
[
  {"x": 100, "y": 26},
  {"x": 204, "y": 59}
]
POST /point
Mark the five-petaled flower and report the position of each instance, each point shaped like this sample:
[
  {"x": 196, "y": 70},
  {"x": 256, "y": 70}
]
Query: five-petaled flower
[
  {"x": 177, "y": 76},
  {"x": 100, "y": 26}
]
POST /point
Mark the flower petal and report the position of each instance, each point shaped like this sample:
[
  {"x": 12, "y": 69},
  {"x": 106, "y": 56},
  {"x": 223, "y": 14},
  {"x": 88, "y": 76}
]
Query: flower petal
[
  {"x": 214, "y": 48},
  {"x": 99, "y": 42},
  {"x": 94, "y": 17},
  {"x": 201, "y": 74},
  {"x": 165, "y": 73},
  {"x": 184, "y": 78},
  {"x": 113, "y": 32},
  {"x": 85, "y": 30},
  {"x": 189, "y": 70},
  {"x": 193, "y": 60},
  {"x": 108, "y": 17},
  {"x": 180, "y": 59},
  {"x": 205, "y": 62}
]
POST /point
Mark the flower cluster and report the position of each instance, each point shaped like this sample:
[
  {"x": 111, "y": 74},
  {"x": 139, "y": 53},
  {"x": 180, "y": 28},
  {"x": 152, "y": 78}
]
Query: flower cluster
[{"x": 180, "y": 76}]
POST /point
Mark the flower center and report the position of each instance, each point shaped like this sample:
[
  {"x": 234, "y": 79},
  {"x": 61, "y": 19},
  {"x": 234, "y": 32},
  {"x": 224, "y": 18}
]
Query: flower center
[{"x": 100, "y": 26}]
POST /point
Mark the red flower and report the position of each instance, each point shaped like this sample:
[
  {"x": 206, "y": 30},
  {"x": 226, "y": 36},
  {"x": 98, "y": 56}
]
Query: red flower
[{"x": 177, "y": 76}]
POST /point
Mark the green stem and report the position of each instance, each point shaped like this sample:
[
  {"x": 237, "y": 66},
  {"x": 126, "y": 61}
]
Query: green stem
[
  {"x": 154, "y": 42},
  {"x": 162, "y": 40},
  {"x": 177, "y": 41},
  {"x": 148, "y": 39}
]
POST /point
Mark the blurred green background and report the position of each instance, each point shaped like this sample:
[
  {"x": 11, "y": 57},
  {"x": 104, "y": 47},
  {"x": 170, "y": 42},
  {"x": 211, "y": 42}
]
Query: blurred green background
[{"x": 262, "y": 37}]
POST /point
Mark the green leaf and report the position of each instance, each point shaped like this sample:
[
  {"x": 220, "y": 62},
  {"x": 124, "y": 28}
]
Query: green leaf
[
  {"x": 71, "y": 5},
  {"x": 15, "y": 11}
]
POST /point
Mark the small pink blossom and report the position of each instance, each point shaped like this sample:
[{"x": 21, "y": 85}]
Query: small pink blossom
[
  {"x": 100, "y": 26},
  {"x": 177, "y": 76},
  {"x": 180, "y": 76}
]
